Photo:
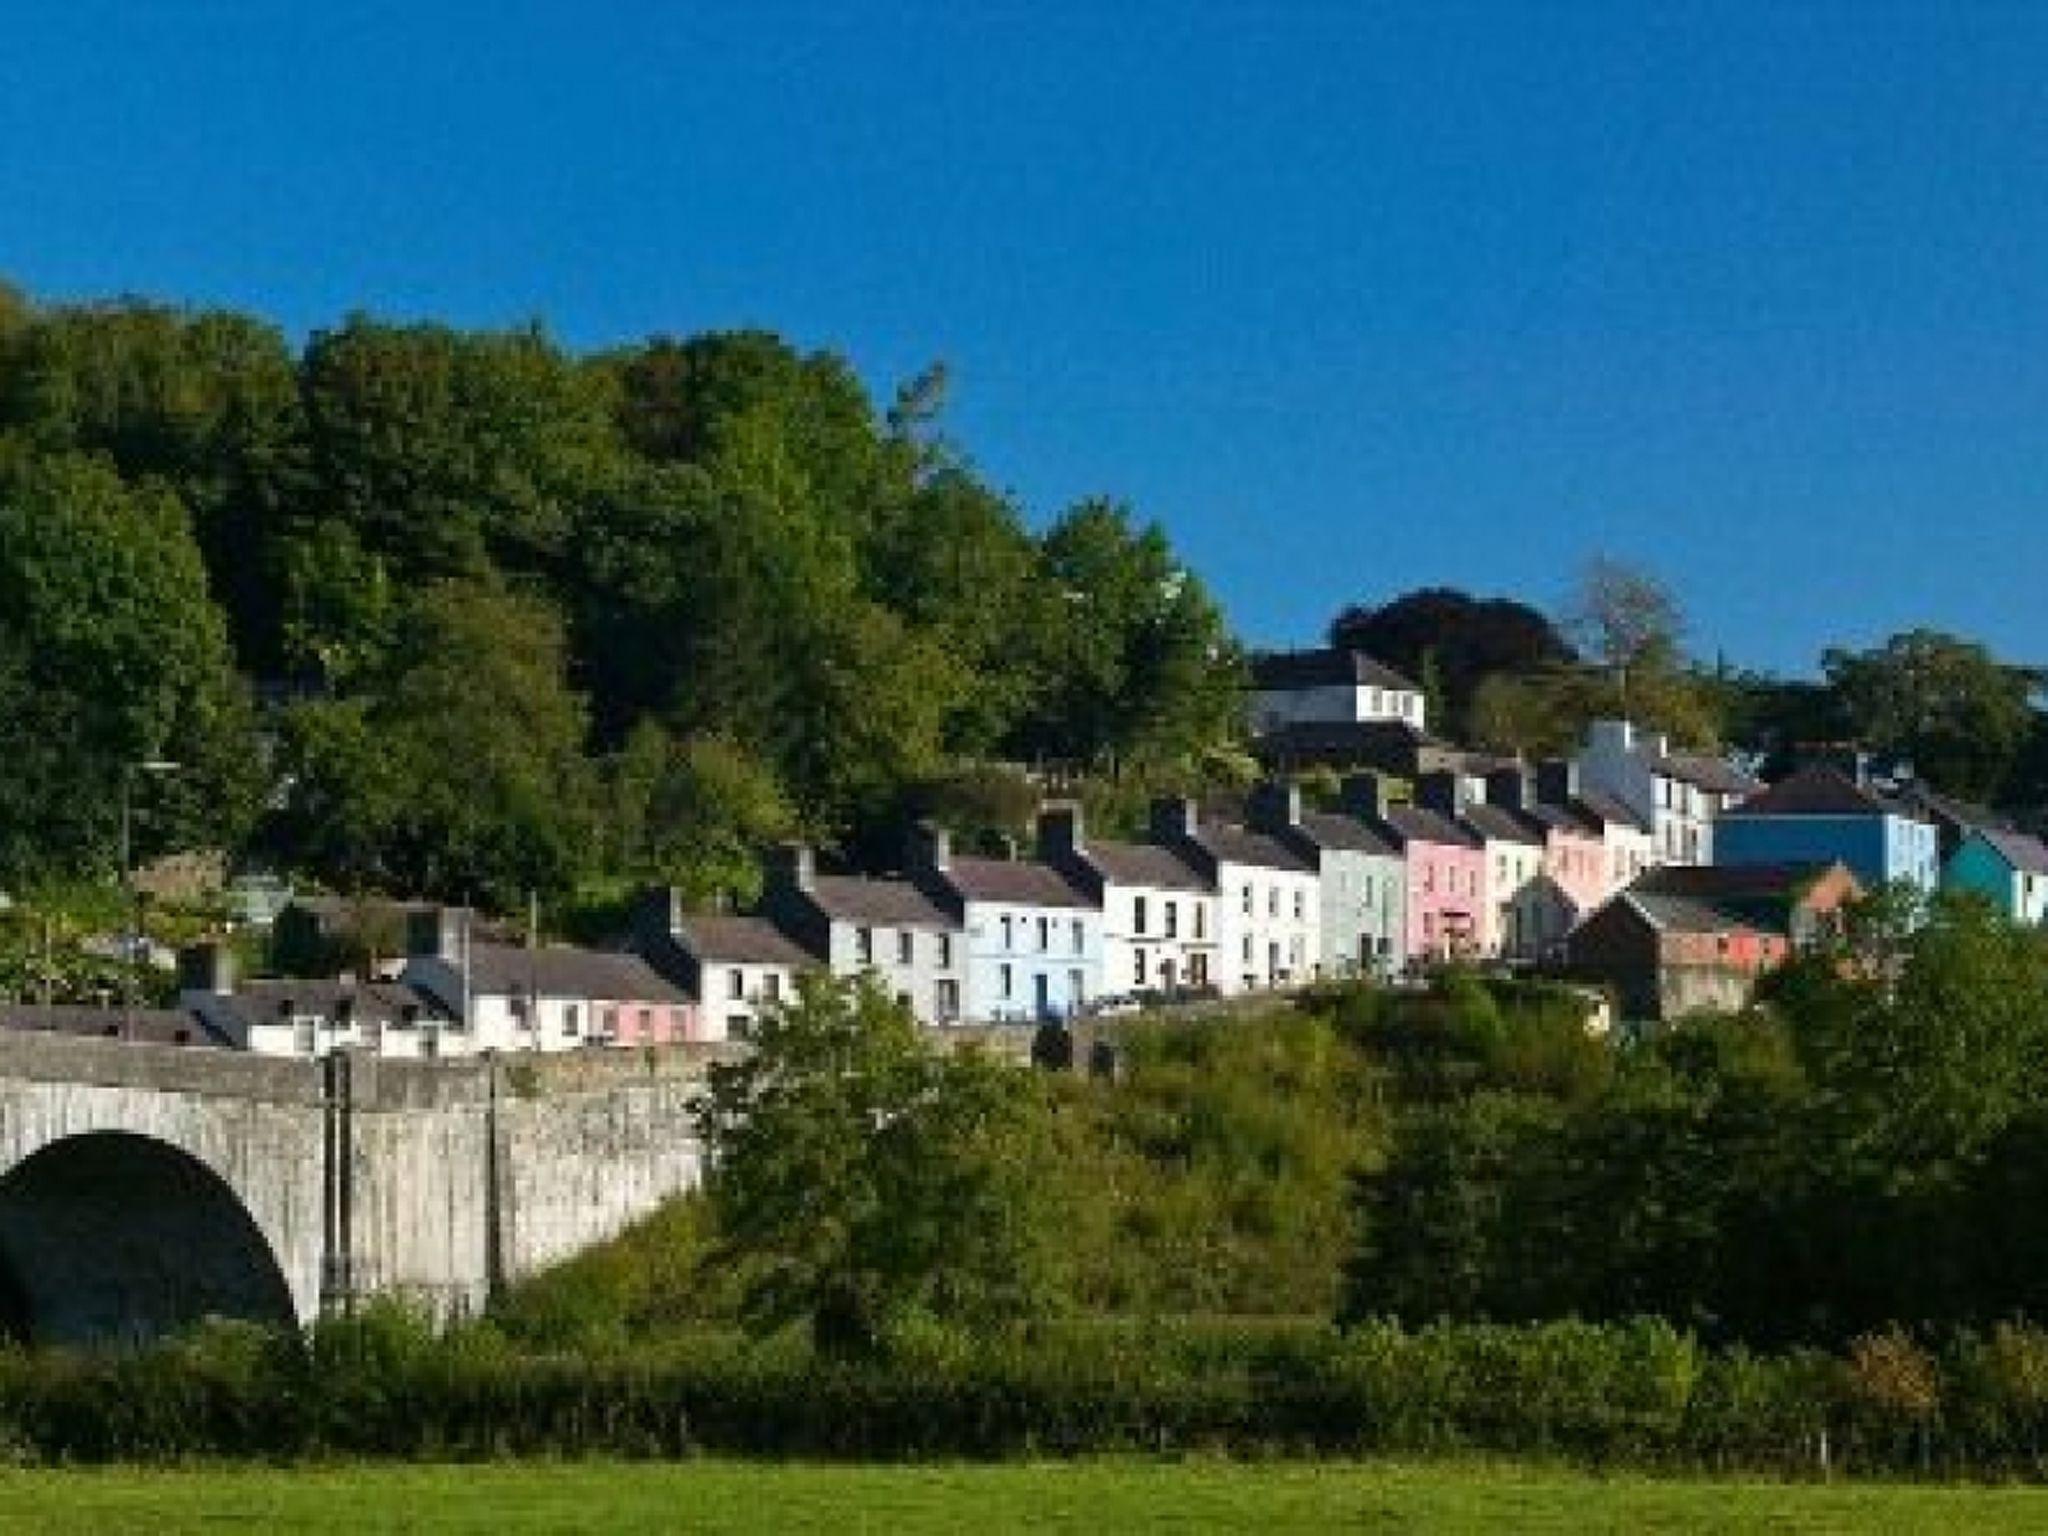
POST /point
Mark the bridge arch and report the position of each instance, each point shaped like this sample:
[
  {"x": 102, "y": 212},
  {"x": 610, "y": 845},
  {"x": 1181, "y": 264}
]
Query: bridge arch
[{"x": 117, "y": 1236}]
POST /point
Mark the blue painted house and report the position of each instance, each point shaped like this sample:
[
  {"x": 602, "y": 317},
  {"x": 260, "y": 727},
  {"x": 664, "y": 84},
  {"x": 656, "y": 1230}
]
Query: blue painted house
[
  {"x": 1820, "y": 815},
  {"x": 2011, "y": 868}
]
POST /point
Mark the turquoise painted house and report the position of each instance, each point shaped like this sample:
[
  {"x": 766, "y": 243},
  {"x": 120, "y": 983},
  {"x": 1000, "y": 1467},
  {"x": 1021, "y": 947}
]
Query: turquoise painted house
[
  {"x": 2011, "y": 868},
  {"x": 1821, "y": 814}
]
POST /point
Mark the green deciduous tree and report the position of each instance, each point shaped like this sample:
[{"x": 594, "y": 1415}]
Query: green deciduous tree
[
  {"x": 111, "y": 652},
  {"x": 863, "y": 1176},
  {"x": 1946, "y": 704},
  {"x": 1141, "y": 666},
  {"x": 463, "y": 775}
]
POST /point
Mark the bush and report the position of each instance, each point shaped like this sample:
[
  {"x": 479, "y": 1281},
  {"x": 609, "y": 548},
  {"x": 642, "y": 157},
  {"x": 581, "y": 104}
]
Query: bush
[{"x": 1641, "y": 1393}]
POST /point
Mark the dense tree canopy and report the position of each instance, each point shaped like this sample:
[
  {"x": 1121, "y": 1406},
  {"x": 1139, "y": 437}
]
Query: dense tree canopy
[
  {"x": 1463, "y": 640},
  {"x": 524, "y": 619},
  {"x": 1943, "y": 704},
  {"x": 111, "y": 654}
]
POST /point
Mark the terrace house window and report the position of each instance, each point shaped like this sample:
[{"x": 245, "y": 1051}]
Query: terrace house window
[
  {"x": 864, "y": 945},
  {"x": 903, "y": 947}
]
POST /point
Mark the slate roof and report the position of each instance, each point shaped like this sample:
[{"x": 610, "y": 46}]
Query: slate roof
[
  {"x": 877, "y": 903},
  {"x": 2022, "y": 850},
  {"x": 1713, "y": 774},
  {"x": 1281, "y": 670},
  {"x": 1499, "y": 824},
  {"x": 1946, "y": 810},
  {"x": 1693, "y": 898},
  {"x": 148, "y": 1026},
  {"x": 1019, "y": 882},
  {"x": 1822, "y": 791},
  {"x": 262, "y": 1000},
  {"x": 560, "y": 970},
  {"x": 1603, "y": 807},
  {"x": 1413, "y": 824},
  {"x": 1346, "y": 834},
  {"x": 1573, "y": 818},
  {"x": 724, "y": 938},
  {"x": 1239, "y": 845},
  {"x": 1144, "y": 864}
]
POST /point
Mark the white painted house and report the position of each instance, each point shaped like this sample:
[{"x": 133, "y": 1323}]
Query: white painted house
[
  {"x": 1330, "y": 687},
  {"x": 1033, "y": 935},
  {"x": 1678, "y": 795},
  {"x": 1159, "y": 929},
  {"x": 1364, "y": 880},
  {"x": 296, "y": 1016},
  {"x": 550, "y": 997},
  {"x": 733, "y": 966},
  {"x": 1269, "y": 915}
]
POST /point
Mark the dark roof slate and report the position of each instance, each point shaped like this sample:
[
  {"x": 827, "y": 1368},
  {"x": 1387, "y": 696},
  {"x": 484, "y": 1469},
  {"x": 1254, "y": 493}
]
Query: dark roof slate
[
  {"x": 147, "y": 1026},
  {"x": 1280, "y": 670},
  {"x": 877, "y": 903},
  {"x": 1820, "y": 790},
  {"x": 1713, "y": 774},
  {"x": 261, "y": 999},
  {"x": 1346, "y": 834},
  {"x": 560, "y": 970},
  {"x": 1499, "y": 824},
  {"x": 722, "y": 937},
  {"x": 1239, "y": 845},
  {"x": 1413, "y": 824},
  {"x": 1144, "y": 864},
  {"x": 1017, "y": 882},
  {"x": 2022, "y": 850}
]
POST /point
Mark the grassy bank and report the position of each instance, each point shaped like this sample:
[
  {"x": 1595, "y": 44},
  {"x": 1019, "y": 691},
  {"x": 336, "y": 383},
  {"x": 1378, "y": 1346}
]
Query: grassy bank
[{"x": 1085, "y": 1496}]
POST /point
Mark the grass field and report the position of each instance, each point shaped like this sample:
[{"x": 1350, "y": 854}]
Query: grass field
[{"x": 902, "y": 1501}]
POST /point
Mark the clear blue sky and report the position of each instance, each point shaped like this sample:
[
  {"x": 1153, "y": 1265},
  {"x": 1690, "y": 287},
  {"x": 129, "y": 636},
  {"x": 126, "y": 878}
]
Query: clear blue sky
[{"x": 1351, "y": 297}]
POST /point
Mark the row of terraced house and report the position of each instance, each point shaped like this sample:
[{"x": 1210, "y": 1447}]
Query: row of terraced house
[{"x": 1673, "y": 878}]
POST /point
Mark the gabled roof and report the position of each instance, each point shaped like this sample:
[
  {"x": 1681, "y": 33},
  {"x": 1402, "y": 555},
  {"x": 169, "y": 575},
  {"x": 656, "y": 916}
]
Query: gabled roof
[
  {"x": 877, "y": 903},
  {"x": 1572, "y": 819},
  {"x": 274, "y": 999},
  {"x": 1144, "y": 864},
  {"x": 2025, "y": 853},
  {"x": 1605, "y": 809},
  {"x": 1716, "y": 775},
  {"x": 1238, "y": 845},
  {"x": 1280, "y": 670},
  {"x": 1019, "y": 882},
  {"x": 1501, "y": 825},
  {"x": 560, "y": 970},
  {"x": 1821, "y": 790},
  {"x": 1697, "y": 898},
  {"x": 148, "y": 1026},
  {"x": 721, "y": 938},
  {"x": 1413, "y": 824},
  {"x": 1945, "y": 810},
  {"x": 1346, "y": 834},
  {"x": 1679, "y": 914}
]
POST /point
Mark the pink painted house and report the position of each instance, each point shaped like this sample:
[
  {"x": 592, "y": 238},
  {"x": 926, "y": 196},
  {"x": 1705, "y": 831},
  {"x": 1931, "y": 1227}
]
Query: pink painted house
[
  {"x": 549, "y": 997},
  {"x": 1576, "y": 870},
  {"x": 1446, "y": 867}
]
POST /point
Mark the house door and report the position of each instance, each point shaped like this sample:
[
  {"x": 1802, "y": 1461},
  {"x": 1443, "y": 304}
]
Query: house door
[{"x": 1041, "y": 994}]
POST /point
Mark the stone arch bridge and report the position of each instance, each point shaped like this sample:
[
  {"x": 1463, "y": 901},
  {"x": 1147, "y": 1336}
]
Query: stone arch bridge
[{"x": 143, "y": 1187}]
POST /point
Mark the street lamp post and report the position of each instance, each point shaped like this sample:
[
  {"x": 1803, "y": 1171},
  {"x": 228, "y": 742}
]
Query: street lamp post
[{"x": 134, "y": 937}]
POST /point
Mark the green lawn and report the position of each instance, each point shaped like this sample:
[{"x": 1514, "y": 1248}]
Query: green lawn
[{"x": 1086, "y": 1496}]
